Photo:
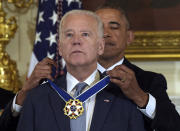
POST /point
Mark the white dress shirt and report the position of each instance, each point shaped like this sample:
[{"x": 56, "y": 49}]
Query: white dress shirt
[
  {"x": 71, "y": 83},
  {"x": 15, "y": 107},
  {"x": 150, "y": 109}
]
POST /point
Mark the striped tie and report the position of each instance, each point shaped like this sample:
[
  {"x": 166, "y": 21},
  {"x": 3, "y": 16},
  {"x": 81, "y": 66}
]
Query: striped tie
[{"x": 79, "y": 124}]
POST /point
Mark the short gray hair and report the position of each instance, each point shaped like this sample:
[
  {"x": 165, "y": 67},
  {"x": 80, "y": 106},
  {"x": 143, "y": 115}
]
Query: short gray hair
[{"x": 84, "y": 12}]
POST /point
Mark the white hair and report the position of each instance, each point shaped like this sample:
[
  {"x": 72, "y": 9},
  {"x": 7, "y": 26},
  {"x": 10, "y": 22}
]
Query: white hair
[{"x": 84, "y": 12}]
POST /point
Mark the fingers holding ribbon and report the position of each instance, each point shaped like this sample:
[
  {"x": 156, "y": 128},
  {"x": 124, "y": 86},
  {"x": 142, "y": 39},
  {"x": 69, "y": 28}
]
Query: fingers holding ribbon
[
  {"x": 125, "y": 79},
  {"x": 45, "y": 68},
  {"x": 119, "y": 75},
  {"x": 42, "y": 70}
]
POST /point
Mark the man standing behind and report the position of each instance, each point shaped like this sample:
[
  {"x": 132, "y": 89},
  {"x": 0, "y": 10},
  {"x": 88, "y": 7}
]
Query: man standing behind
[
  {"x": 146, "y": 89},
  {"x": 81, "y": 42}
]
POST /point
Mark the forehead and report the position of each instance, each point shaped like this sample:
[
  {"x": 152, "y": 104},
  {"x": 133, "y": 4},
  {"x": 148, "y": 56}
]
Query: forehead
[
  {"x": 83, "y": 20},
  {"x": 108, "y": 15}
]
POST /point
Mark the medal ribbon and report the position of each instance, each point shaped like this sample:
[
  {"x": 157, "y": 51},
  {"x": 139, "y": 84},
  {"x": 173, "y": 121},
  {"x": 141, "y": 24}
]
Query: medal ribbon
[
  {"x": 100, "y": 85},
  {"x": 63, "y": 94}
]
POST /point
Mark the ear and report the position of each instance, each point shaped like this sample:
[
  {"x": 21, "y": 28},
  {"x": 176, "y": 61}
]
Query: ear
[
  {"x": 130, "y": 37},
  {"x": 101, "y": 44},
  {"x": 60, "y": 48}
]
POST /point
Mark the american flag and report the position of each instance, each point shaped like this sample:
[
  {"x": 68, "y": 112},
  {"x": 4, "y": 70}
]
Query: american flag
[{"x": 49, "y": 15}]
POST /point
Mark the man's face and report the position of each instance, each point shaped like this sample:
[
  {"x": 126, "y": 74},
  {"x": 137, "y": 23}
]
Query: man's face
[
  {"x": 115, "y": 33},
  {"x": 80, "y": 43}
]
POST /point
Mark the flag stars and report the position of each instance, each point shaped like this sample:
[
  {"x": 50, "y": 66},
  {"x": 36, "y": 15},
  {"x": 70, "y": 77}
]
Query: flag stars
[
  {"x": 51, "y": 38},
  {"x": 43, "y": 1},
  {"x": 38, "y": 38},
  {"x": 54, "y": 17},
  {"x": 51, "y": 56},
  {"x": 41, "y": 17},
  {"x": 70, "y": 1},
  {"x": 56, "y": 2}
]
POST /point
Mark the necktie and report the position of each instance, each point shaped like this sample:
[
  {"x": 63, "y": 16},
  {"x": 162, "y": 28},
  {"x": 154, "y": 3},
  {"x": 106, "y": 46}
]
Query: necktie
[
  {"x": 104, "y": 73},
  {"x": 79, "y": 124}
]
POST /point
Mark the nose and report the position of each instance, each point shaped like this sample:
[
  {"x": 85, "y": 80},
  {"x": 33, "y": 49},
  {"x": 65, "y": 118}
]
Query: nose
[
  {"x": 76, "y": 40},
  {"x": 107, "y": 32}
]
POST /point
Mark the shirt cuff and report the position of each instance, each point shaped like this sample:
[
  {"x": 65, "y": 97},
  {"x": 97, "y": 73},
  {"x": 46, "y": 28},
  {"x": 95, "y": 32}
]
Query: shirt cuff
[
  {"x": 150, "y": 110},
  {"x": 15, "y": 107}
]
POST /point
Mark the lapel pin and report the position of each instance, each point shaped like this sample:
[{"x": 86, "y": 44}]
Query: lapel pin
[{"x": 106, "y": 100}]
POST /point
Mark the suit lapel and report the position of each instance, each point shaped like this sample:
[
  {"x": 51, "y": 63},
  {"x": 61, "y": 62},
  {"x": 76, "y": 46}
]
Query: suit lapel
[
  {"x": 131, "y": 66},
  {"x": 103, "y": 103},
  {"x": 127, "y": 63},
  {"x": 58, "y": 104}
]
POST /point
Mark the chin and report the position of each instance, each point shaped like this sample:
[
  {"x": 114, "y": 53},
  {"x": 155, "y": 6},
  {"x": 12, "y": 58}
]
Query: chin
[
  {"x": 77, "y": 63},
  {"x": 106, "y": 56}
]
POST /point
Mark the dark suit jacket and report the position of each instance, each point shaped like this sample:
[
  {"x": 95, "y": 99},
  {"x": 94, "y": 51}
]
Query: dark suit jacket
[
  {"x": 43, "y": 111},
  {"x": 166, "y": 118},
  {"x": 5, "y": 97},
  {"x": 7, "y": 121}
]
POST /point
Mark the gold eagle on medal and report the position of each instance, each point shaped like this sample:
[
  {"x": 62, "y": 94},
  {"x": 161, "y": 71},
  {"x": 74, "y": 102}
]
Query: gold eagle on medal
[{"x": 73, "y": 108}]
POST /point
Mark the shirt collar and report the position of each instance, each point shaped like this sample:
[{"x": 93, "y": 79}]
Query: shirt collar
[
  {"x": 102, "y": 69},
  {"x": 72, "y": 81}
]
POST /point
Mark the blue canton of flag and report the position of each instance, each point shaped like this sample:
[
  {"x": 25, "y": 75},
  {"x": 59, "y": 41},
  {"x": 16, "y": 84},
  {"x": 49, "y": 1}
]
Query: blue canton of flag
[{"x": 46, "y": 28}]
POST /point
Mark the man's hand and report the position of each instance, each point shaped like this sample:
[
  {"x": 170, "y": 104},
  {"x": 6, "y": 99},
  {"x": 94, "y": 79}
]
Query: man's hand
[
  {"x": 42, "y": 70},
  {"x": 126, "y": 80}
]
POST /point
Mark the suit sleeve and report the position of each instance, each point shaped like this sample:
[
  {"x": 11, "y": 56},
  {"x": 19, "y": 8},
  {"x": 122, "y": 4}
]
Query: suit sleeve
[
  {"x": 166, "y": 118},
  {"x": 7, "y": 121},
  {"x": 5, "y": 97},
  {"x": 26, "y": 121}
]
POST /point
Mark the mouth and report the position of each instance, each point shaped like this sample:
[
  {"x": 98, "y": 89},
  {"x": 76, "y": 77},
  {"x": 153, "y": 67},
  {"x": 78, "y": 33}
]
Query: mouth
[
  {"x": 77, "y": 52},
  {"x": 109, "y": 44}
]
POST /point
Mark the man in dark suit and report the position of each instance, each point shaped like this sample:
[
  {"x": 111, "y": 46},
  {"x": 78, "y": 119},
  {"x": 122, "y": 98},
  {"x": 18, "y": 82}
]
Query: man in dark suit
[
  {"x": 81, "y": 42},
  {"x": 146, "y": 89}
]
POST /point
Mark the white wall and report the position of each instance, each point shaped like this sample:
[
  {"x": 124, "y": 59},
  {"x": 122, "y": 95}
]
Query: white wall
[{"x": 20, "y": 47}]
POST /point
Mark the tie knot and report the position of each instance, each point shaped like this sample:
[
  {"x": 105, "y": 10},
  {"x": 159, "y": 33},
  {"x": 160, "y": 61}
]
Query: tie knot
[
  {"x": 79, "y": 88},
  {"x": 104, "y": 73}
]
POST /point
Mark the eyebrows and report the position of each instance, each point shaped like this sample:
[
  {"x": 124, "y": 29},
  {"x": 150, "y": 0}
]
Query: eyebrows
[{"x": 71, "y": 31}]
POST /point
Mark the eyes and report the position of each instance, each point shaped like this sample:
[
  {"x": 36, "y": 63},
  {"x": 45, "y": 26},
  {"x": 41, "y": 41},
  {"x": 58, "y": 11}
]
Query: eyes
[
  {"x": 71, "y": 34},
  {"x": 114, "y": 25},
  {"x": 86, "y": 34}
]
